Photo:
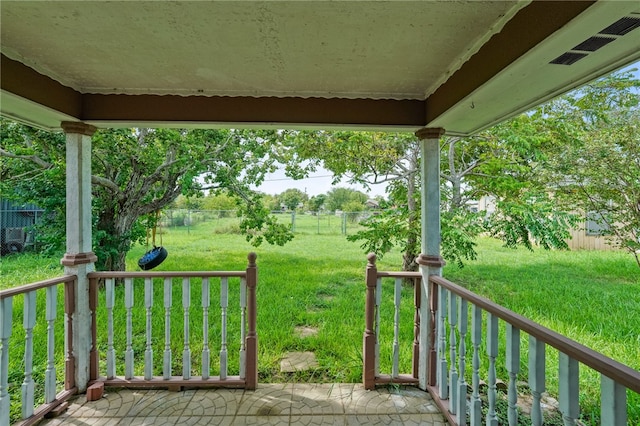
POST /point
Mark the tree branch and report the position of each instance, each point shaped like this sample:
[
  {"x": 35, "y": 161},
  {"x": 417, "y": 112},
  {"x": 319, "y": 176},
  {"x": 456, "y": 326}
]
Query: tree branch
[{"x": 32, "y": 158}]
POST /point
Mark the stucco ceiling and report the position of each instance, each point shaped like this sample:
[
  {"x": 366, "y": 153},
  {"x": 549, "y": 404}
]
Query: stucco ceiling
[{"x": 462, "y": 65}]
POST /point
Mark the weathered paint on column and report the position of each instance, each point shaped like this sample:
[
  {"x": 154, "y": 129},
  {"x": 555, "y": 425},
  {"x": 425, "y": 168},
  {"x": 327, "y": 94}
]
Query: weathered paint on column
[
  {"x": 369, "y": 338},
  {"x": 251, "y": 377},
  {"x": 430, "y": 261},
  {"x": 78, "y": 259}
]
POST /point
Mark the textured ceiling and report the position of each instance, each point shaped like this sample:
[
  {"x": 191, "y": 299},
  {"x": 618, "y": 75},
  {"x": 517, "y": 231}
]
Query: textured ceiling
[
  {"x": 395, "y": 50},
  {"x": 389, "y": 65}
]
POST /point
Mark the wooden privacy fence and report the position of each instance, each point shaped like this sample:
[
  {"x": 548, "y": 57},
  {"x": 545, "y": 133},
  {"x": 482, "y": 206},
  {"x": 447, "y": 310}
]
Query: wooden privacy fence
[
  {"x": 464, "y": 335},
  {"x": 42, "y": 389},
  {"x": 134, "y": 331}
]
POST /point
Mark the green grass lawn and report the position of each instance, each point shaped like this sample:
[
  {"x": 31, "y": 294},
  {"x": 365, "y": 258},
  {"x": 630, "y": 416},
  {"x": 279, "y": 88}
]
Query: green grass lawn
[{"x": 318, "y": 281}]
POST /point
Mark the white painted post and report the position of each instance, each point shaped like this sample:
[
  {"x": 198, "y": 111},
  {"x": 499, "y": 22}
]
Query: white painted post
[
  {"x": 109, "y": 303},
  {"x": 613, "y": 397},
  {"x": 430, "y": 261},
  {"x": 476, "y": 339},
  {"x": 569, "y": 388},
  {"x": 50, "y": 372},
  {"x": 377, "y": 325},
  {"x": 79, "y": 259},
  {"x": 28, "y": 322},
  {"x": 425, "y": 334},
  {"x": 396, "y": 328},
  {"x": 536, "y": 378},
  {"x": 243, "y": 327},
  {"x": 186, "y": 351},
  {"x": 206, "y": 301},
  {"x": 168, "y": 297},
  {"x": 443, "y": 386},
  {"x": 224, "y": 303},
  {"x": 453, "y": 372},
  {"x": 148, "y": 353},
  {"x": 6, "y": 323},
  {"x": 492, "y": 353},
  {"x": 128, "y": 304},
  {"x": 513, "y": 368},
  {"x": 462, "y": 383}
]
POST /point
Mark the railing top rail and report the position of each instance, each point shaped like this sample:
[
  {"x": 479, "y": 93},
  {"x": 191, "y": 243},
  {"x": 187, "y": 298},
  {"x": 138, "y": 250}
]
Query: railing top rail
[
  {"x": 398, "y": 274},
  {"x": 611, "y": 368},
  {"x": 36, "y": 286},
  {"x": 167, "y": 274}
]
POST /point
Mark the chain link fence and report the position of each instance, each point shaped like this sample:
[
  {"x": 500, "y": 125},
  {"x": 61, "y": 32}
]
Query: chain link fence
[{"x": 227, "y": 221}]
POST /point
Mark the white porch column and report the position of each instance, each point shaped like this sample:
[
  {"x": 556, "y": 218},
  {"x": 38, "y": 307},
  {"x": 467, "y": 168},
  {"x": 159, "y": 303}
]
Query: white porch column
[
  {"x": 430, "y": 261},
  {"x": 79, "y": 259}
]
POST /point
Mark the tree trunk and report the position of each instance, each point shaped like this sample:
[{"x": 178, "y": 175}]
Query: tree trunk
[{"x": 114, "y": 245}]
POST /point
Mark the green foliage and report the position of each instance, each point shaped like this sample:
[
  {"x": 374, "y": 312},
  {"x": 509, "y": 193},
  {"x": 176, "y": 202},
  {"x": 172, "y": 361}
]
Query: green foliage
[
  {"x": 316, "y": 202},
  {"x": 598, "y": 169},
  {"x": 189, "y": 203},
  {"x": 293, "y": 198},
  {"x": 531, "y": 220},
  {"x": 137, "y": 172},
  {"x": 221, "y": 201},
  {"x": 259, "y": 225},
  {"x": 337, "y": 198}
]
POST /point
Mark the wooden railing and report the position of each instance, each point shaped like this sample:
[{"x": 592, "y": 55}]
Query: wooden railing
[
  {"x": 146, "y": 349},
  {"x": 371, "y": 374},
  {"x": 43, "y": 353},
  {"x": 463, "y": 325},
  {"x": 122, "y": 318}
]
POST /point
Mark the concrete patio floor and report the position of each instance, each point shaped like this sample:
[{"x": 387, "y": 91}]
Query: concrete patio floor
[{"x": 270, "y": 404}]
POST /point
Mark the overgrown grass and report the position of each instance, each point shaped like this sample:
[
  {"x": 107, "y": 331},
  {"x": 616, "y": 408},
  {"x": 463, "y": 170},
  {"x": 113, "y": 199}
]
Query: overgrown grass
[
  {"x": 592, "y": 297},
  {"x": 318, "y": 281}
]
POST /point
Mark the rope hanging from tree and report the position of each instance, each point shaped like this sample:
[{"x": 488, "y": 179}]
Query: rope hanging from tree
[{"x": 157, "y": 254}]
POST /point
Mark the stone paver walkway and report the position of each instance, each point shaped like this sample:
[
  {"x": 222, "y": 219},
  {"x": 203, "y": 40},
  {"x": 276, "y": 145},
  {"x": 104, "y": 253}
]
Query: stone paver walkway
[{"x": 270, "y": 404}]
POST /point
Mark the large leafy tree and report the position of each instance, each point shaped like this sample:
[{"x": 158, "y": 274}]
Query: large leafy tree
[
  {"x": 292, "y": 198},
  {"x": 345, "y": 199},
  {"x": 597, "y": 168},
  {"x": 502, "y": 163},
  {"x": 137, "y": 172}
]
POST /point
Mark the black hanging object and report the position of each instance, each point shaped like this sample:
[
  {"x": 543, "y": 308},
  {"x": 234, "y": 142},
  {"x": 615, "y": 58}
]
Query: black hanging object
[{"x": 152, "y": 258}]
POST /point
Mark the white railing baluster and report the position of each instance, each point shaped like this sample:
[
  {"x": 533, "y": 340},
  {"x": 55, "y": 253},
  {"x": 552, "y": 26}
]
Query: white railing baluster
[
  {"x": 128, "y": 304},
  {"x": 492, "y": 353},
  {"x": 148, "y": 304},
  {"x": 613, "y": 397},
  {"x": 569, "y": 388},
  {"x": 243, "y": 326},
  {"x": 476, "y": 339},
  {"x": 168, "y": 298},
  {"x": 513, "y": 368},
  {"x": 50, "y": 373},
  {"x": 536, "y": 378},
  {"x": 28, "y": 322},
  {"x": 206, "y": 357},
  {"x": 109, "y": 304},
  {"x": 377, "y": 325},
  {"x": 224, "y": 303},
  {"x": 453, "y": 372},
  {"x": 462, "y": 383},
  {"x": 443, "y": 386},
  {"x": 6, "y": 322},
  {"x": 186, "y": 305},
  {"x": 396, "y": 328}
]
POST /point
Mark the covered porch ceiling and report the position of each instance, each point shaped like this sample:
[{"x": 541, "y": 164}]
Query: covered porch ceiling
[{"x": 384, "y": 65}]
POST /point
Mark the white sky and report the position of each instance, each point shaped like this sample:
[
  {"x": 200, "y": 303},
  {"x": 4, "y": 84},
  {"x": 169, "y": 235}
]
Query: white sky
[{"x": 319, "y": 182}]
